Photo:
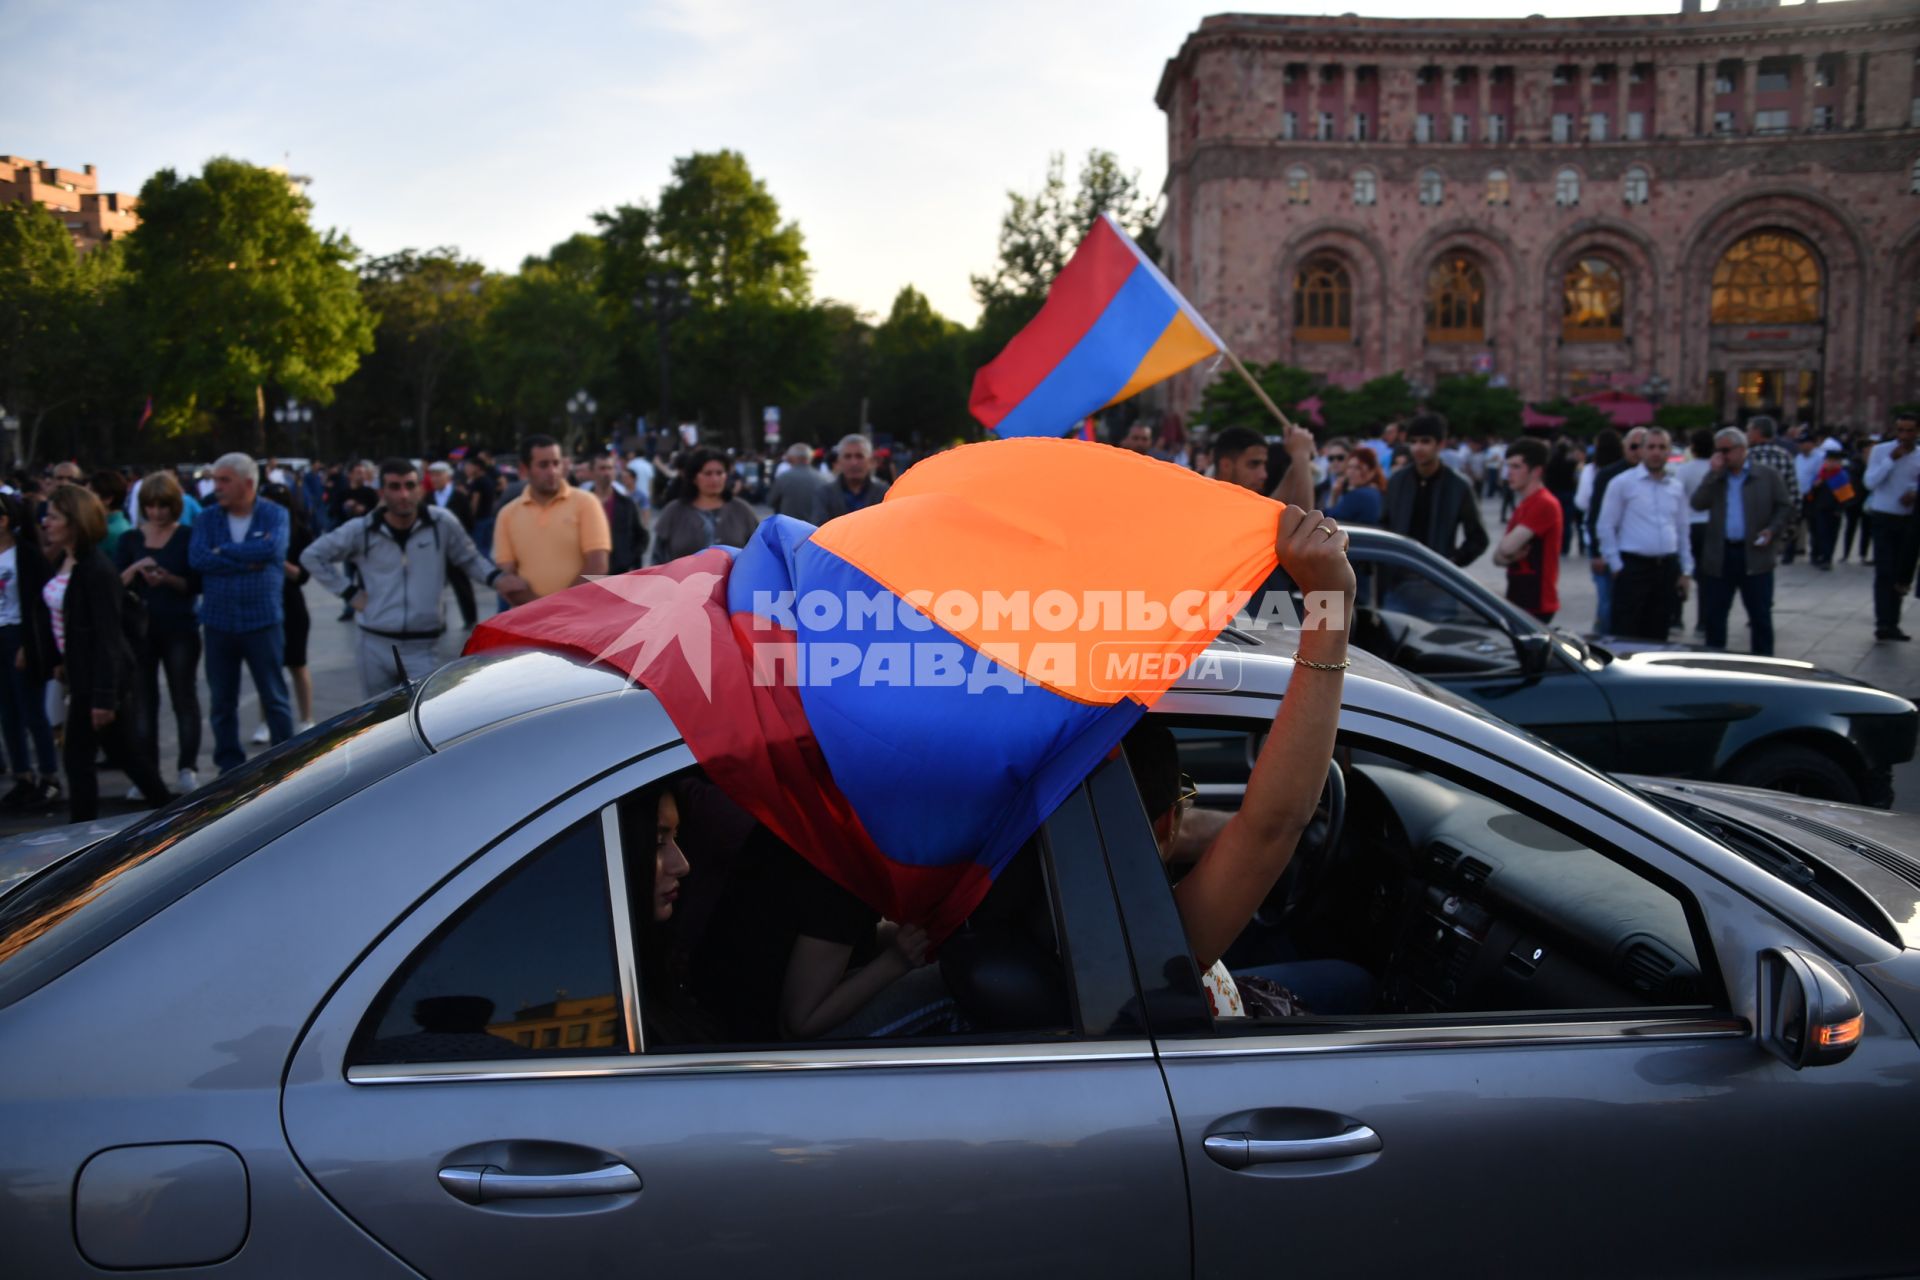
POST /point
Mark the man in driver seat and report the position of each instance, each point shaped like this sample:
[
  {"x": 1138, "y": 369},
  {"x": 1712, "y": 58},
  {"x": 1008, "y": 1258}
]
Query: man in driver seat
[{"x": 1236, "y": 859}]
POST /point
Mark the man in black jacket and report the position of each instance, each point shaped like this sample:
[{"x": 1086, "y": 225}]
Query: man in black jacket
[
  {"x": 444, "y": 492},
  {"x": 1431, "y": 503},
  {"x": 623, "y": 517}
]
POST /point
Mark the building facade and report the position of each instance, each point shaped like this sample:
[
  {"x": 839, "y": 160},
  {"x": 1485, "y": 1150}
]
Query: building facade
[
  {"x": 92, "y": 216},
  {"x": 1716, "y": 207}
]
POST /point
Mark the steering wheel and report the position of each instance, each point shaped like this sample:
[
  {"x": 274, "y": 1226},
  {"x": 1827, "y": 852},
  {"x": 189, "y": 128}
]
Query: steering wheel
[{"x": 1318, "y": 852}]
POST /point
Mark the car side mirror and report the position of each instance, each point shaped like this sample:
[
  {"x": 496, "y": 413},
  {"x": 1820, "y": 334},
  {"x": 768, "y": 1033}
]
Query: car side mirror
[
  {"x": 1534, "y": 649},
  {"x": 1809, "y": 1014}
]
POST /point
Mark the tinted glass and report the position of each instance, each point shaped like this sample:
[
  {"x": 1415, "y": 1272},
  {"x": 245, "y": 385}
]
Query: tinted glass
[
  {"x": 72, "y": 909},
  {"x": 526, "y": 970},
  {"x": 1419, "y": 624}
]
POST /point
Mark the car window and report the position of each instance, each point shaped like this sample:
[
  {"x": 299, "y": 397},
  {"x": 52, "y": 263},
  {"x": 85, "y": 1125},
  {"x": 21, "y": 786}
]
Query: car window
[
  {"x": 527, "y": 970},
  {"x": 75, "y": 907},
  {"x": 714, "y": 970},
  {"x": 532, "y": 966},
  {"x": 1445, "y": 896},
  {"x": 1415, "y": 622}
]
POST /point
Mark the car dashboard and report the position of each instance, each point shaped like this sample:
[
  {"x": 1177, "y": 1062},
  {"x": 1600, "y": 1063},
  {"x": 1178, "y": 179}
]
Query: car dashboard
[{"x": 1485, "y": 908}]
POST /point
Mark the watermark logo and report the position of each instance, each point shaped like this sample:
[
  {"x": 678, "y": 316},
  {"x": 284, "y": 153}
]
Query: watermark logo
[
  {"x": 1015, "y": 640},
  {"x": 675, "y": 615},
  {"x": 1122, "y": 667}
]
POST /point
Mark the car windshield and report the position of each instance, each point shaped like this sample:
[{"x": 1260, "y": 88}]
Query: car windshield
[
  {"x": 71, "y": 909},
  {"x": 1795, "y": 865}
]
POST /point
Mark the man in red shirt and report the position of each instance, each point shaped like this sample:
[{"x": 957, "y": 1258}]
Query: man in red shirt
[{"x": 1531, "y": 546}]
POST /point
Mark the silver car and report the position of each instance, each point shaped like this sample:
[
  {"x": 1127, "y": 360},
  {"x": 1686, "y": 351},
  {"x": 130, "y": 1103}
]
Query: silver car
[{"x": 379, "y": 1005}]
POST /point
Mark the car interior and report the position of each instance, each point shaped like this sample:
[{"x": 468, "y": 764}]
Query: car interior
[{"x": 1453, "y": 899}]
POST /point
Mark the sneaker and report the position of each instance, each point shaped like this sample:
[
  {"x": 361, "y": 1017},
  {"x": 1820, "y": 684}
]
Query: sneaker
[
  {"x": 189, "y": 781},
  {"x": 261, "y": 736},
  {"x": 1891, "y": 633},
  {"x": 47, "y": 793},
  {"x": 25, "y": 794},
  {"x": 134, "y": 793}
]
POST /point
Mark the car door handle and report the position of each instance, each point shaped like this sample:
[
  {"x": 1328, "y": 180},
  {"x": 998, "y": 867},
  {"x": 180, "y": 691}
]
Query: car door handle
[
  {"x": 1240, "y": 1150},
  {"x": 486, "y": 1183}
]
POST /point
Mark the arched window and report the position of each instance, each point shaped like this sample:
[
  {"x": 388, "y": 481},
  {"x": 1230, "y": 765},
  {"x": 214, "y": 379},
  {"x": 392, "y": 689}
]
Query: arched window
[
  {"x": 1323, "y": 300},
  {"x": 1299, "y": 185},
  {"x": 1769, "y": 277},
  {"x": 1499, "y": 187},
  {"x": 1566, "y": 187},
  {"x": 1456, "y": 301},
  {"x": 1366, "y": 187},
  {"x": 1638, "y": 185},
  {"x": 1433, "y": 189},
  {"x": 1595, "y": 303}
]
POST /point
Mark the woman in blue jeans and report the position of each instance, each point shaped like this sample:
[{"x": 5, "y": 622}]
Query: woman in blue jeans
[{"x": 23, "y": 703}]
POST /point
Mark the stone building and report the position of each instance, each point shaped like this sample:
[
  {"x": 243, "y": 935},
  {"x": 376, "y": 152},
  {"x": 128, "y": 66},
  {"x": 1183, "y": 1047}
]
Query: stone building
[
  {"x": 1720, "y": 207},
  {"x": 91, "y": 215}
]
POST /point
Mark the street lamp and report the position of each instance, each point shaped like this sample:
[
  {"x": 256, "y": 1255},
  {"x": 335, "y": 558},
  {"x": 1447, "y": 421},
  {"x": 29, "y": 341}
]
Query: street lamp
[
  {"x": 580, "y": 410},
  {"x": 663, "y": 297},
  {"x": 293, "y": 415},
  {"x": 10, "y": 426}
]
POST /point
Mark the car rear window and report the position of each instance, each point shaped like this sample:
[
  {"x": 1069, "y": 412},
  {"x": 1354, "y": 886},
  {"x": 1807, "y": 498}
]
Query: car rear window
[{"x": 77, "y": 906}]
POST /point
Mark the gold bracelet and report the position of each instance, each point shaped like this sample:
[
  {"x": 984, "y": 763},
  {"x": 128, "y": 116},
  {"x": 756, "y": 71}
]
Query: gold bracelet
[{"x": 1341, "y": 665}]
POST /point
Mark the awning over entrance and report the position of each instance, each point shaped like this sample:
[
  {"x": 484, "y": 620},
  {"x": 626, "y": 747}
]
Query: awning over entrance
[{"x": 1625, "y": 408}]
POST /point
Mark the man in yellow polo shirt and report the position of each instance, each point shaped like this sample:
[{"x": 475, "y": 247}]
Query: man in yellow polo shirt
[{"x": 553, "y": 535}]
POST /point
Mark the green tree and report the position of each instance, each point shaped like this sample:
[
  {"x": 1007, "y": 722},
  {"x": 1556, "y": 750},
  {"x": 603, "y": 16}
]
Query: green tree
[
  {"x": 1473, "y": 406},
  {"x": 1229, "y": 402},
  {"x": 749, "y": 334},
  {"x": 429, "y": 307},
  {"x": 548, "y": 333},
  {"x": 840, "y": 403},
  {"x": 1040, "y": 232},
  {"x": 1361, "y": 412},
  {"x": 1682, "y": 419},
  {"x": 234, "y": 291},
  {"x": 57, "y": 331},
  {"x": 920, "y": 381}
]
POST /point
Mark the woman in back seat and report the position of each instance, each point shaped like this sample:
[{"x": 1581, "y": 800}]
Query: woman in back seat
[{"x": 790, "y": 955}]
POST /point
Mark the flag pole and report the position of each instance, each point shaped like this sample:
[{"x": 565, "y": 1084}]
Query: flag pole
[{"x": 1258, "y": 390}]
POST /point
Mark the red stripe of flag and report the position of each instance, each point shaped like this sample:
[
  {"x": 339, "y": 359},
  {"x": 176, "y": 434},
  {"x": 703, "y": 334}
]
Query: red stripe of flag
[{"x": 1075, "y": 301}]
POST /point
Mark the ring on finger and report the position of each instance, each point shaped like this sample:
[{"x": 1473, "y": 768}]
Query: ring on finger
[{"x": 1329, "y": 530}]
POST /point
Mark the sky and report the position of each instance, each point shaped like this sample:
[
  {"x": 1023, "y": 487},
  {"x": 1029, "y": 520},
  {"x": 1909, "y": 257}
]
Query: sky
[{"x": 891, "y": 132}]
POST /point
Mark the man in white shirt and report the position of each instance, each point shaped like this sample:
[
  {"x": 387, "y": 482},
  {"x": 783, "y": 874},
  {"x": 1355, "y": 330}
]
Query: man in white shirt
[
  {"x": 1644, "y": 540},
  {"x": 642, "y": 489},
  {"x": 1893, "y": 475}
]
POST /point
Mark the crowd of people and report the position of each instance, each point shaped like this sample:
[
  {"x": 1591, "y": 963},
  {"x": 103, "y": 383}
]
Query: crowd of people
[
  {"x": 115, "y": 582},
  {"x": 112, "y": 580},
  {"x": 1655, "y": 528}
]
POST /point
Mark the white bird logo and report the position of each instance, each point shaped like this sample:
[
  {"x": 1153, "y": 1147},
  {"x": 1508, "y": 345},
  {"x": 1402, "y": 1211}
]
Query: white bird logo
[{"x": 676, "y": 613}]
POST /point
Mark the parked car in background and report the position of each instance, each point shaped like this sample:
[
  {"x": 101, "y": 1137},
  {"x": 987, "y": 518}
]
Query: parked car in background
[
  {"x": 307, "y": 1023},
  {"x": 1666, "y": 710}
]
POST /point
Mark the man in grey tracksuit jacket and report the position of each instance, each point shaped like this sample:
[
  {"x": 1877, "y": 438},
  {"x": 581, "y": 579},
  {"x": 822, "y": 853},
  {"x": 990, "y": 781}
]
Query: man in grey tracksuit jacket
[{"x": 398, "y": 553}]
